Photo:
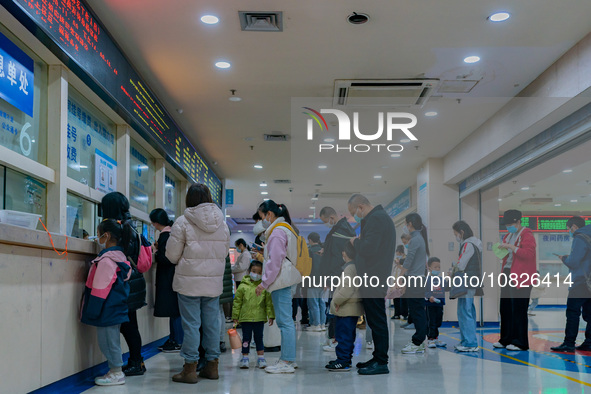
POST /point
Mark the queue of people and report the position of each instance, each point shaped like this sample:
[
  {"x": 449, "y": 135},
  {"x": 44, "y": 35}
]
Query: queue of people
[{"x": 192, "y": 258}]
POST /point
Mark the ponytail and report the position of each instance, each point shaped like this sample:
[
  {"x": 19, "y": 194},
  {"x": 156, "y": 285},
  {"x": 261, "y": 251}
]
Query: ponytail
[
  {"x": 424, "y": 234},
  {"x": 279, "y": 210},
  {"x": 121, "y": 231},
  {"x": 417, "y": 223},
  {"x": 160, "y": 216}
]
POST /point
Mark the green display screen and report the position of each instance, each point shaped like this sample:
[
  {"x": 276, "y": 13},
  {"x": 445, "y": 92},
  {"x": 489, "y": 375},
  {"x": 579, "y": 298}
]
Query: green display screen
[{"x": 552, "y": 224}]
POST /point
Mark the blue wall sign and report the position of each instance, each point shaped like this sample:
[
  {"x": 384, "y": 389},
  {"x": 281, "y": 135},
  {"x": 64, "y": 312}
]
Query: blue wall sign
[
  {"x": 229, "y": 196},
  {"x": 17, "y": 72},
  {"x": 399, "y": 204}
]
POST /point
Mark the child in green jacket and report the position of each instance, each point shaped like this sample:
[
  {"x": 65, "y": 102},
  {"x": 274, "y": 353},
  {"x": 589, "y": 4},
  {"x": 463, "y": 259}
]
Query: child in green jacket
[{"x": 252, "y": 311}]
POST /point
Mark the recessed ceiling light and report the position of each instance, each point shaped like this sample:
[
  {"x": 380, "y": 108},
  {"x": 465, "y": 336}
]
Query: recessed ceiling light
[
  {"x": 395, "y": 155},
  {"x": 574, "y": 200},
  {"x": 499, "y": 199},
  {"x": 322, "y": 167},
  {"x": 239, "y": 231},
  {"x": 264, "y": 184},
  {"x": 472, "y": 59},
  {"x": 312, "y": 207},
  {"x": 314, "y": 198},
  {"x": 405, "y": 140},
  {"x": 499, "y": 17},
  {"x": 567, "y": 171},
  {"x": 329, "y": 140},
  {"x": 210, "y": 19},
  {"x": 227, "y": 216},
  {"x": 525, "y": 188},
  {"x": 310, "y": 216},
  {"x": 223, "y": 65},
  {"x": 264, "y": 193},
  {"x": 557, "y": 205},
  {"x": 309, "y": 221},
  {"x": 258, "y": 166},
  {"x": 235, "y": 99},
  {"x": 377, "y": 177},
  {"x": 265, "y": 199},
  {"x": 431, "y": 113}
]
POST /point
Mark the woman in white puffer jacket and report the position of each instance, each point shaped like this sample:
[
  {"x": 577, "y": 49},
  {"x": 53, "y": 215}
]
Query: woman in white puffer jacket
[{"x": 198, "y": 245}]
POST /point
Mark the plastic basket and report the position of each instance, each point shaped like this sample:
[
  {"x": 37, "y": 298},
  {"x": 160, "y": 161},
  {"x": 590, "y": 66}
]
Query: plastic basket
[{"x": 21, "y": 219}]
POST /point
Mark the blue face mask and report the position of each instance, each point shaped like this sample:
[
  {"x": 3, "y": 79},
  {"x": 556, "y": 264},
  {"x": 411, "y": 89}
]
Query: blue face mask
[
  {"x": 512, "y": 229},
  {"x": 435, "y": 272},
  {"x": 357, "y": 218},
  {"x": 406, "y": 246}
]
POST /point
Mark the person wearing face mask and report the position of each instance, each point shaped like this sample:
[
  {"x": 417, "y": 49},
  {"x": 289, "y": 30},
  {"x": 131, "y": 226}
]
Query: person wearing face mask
[
  {"x": 434, "y": 302},
  {"x": 240, "y": 268},
  {"x": 470, "y": 262},
  {"x": 332, "y": 258},
  {"x": 375, "y": 255},
  {"x": 400, "y": 306},
  {"x": 579, "y": 294},
  {"x": 258, "y": 229},
  {"x": 521, "y": 260}
]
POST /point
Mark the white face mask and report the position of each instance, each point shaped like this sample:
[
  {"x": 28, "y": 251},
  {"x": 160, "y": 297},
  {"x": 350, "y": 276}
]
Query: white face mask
[
  {"x": 459, "y": 239},
  {"x": 255, "y": 277},
  {"x": 102, "y": 245},
  {"x": 405, "y": 230},
  {"x": 266, "y": 223},
  {"x": 330, "y": 223},
  {"x": 258, "y": 228}
]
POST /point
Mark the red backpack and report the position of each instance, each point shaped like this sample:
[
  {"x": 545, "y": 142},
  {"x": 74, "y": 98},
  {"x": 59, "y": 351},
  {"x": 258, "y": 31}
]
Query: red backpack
[{"x": 144, "y": 260}]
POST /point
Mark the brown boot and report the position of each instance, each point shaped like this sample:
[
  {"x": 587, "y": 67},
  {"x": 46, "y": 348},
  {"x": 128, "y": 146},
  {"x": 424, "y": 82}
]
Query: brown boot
[
  {"x": 211, "y": 370},
  {"x": 188, "y": 375}
]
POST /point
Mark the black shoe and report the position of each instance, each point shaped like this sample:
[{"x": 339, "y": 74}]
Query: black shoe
[
  {"x": 339, "y": 367},
  {"x": 223, "y": 347},
  {"x": 583, "y": 348},
  {"x": 272, "y": 349},
  {"x": 563, "y": 349},
  {"x": 330, "y": 364},
  {"x": 201, "y": 364},
  {"x": 374, "y": 369},
  {"x": 134, "y": 368},
  {"x": 395, "y": 317},
  {"x": 365, "y": 364},
  {"x": 170, "y": 347}
]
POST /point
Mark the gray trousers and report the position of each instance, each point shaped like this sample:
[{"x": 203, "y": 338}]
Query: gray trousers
[{"x": 109, "y": 340}]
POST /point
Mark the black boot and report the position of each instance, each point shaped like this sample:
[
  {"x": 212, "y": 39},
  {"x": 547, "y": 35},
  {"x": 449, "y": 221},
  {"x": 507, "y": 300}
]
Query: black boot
[{"x": 134, "y": 367}]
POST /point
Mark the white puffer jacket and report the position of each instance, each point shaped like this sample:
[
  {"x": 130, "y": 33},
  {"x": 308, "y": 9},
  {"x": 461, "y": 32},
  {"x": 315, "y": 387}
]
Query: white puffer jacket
[
  {"x": 198, "y": 245},
  {"x": 288, "y": 273}
]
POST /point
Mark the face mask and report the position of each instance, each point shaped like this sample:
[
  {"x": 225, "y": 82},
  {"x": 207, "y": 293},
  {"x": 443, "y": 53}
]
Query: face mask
[
  {"x": 435, "y": 272},
  {"x": 102, "y": 245},
  {"x": 406, "y": 246},
  {"x": 266, "y": 223},
  {"x": 329, "y": 224},
  {"x": 258, "y": 228},
  {"x": 255, "y": 277},
  {"x": 459, "y": 239},
  {"x": 512, "y": 229},
  {"x": 405, "y": 230}
]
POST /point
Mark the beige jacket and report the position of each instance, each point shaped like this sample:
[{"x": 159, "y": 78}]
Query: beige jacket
[
  {"x": 199, "y": 243},
  {"x": 347, "y": 297}
]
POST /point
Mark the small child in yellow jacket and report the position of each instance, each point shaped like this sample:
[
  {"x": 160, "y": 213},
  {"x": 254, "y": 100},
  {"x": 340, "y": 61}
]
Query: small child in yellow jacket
[
  {"x": 252, "y": 311},
  {"x": 346, "y": 306}
]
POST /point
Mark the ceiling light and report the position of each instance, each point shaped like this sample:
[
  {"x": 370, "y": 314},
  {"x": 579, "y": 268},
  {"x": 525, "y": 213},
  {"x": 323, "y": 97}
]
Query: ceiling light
[
  {"x": 264, "y": 184},
  {"x": 210, "y": 19},
  {"x": 310, "y": 216},
  {"x": 329, "y": 140},
  {"x": 265, "y": 199},
  {"x": 239, "y": 231},
  {"x": 309, "y": 221},
  {"x": 227, "y": 216},
  {"x": 357, "y": 19},
  {"x": 223, "y": 65},
  {"x": 377, "y": 177},
  {"x": 312, "y": 207},
  {"x": 314, "y": 198},
  {"x": 557, "y": 205},
  {"x": 233, "y": 97},
  {"x": 258, "y": 166},
  {"x": 499, "y": 17},
  {"x": 395, "y": 155},
  {"x": 472, "y": 59},
  {"x": 431, "y": 113},
  {"x": 322, "y": 167},
  {"x": 567, "y": 171},
  {"x": 499, "y": 199},
  {"x": 83, "y": 167},
  {"x": 405, "y": 140},
  {"x": 574, "y": 200},
  {"x": 264, "y": 193},
  {"x": 525, "y": 188}
]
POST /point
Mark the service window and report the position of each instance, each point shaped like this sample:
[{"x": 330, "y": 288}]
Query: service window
[
  {"x": 23, "y": 99},
  {"x": 171, "y": 196},
  {"x": 81, "y": 217},
  {"x": 25, "y": 194},
  {"x": 141, "y": 179},
  {"x": 92, "y": 145}
]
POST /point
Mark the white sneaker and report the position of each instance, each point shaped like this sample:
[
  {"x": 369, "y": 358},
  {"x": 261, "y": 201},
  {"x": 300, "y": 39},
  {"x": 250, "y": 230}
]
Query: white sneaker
[
  {"x": 110, "y": 379},
  {"x": 514, "y": 348},
  {"x": 261, "y": 363},
  {"x": 323, "y": 327},
  {"x": 431, "y": 344},
  {"x": 281, "y": 367},
  {"x": 411, "y": 348},
  {"x": 461, "y": 348},
  {"x": 244, "y": 363},
  {"x": 369, "y": 345},
  {"x": 331, "y": 347},
  {"x": 440, "y": 343},
  {"x": 317, "y": 328},
  {"x": 498, "y": 345}
]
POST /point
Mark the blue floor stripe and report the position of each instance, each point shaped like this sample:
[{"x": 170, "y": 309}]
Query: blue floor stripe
[{"x": 84, "y": 380}]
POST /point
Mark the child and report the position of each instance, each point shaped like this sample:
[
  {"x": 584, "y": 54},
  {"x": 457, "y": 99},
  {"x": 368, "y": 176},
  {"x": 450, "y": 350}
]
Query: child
[
  {"x": 252, "y": 311},
  {"x": 435, "y": 300},
  {"x": 346, "y": 306},
  {"x": 105, "y": 297}
]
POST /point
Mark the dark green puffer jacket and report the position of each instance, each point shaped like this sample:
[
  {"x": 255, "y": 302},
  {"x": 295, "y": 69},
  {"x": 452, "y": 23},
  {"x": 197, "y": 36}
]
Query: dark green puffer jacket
[{"x": 227, "y": 294}]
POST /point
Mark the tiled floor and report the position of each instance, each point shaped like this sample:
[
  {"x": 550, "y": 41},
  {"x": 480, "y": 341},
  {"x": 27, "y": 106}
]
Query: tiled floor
[{"x": 436, "y": 371}]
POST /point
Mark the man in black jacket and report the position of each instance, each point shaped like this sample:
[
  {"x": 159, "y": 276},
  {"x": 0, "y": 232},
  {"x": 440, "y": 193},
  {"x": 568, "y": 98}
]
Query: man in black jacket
[
  {"x": 375, "y": 255},
  {"x": 332, "y": 256}
]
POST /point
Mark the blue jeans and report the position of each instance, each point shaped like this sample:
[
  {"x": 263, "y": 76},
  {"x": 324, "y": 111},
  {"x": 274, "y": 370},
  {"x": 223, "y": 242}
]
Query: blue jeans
[
  {"x": 316, "y": 307},
  {"x": 282, "y": 304},
  {"x": 200, "y": 312},
  {"x": 109, "y": 341},
  {"x": 345, "y": 331},
  {"x": 467, "y": 319},
  {"x": 176, "y": 330}
]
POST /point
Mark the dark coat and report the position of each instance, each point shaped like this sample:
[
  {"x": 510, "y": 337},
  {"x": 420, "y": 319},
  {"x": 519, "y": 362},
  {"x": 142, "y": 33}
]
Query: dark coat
[
  {"x": 332, "y": 258},
  {"x": 166, "y": 303},
  {"x": 228, "y": 292}
]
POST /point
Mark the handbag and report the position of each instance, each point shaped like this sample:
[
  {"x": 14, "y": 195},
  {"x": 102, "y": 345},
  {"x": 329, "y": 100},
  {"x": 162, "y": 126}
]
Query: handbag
[
  {"x": 462, "y": 289},
  {"x": 234, "y": 338}
]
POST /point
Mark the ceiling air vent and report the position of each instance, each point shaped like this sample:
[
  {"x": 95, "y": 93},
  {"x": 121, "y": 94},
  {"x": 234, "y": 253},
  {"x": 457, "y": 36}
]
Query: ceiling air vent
[
  {"x": 282, "y": 181},
  {"x": 537, "y": 201},
  {"x": 405, "y": 93},
  {"x": 276, "y": 137},
  {"x": 457, "y": 86},
  {"x": 261, "y": 20}
]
